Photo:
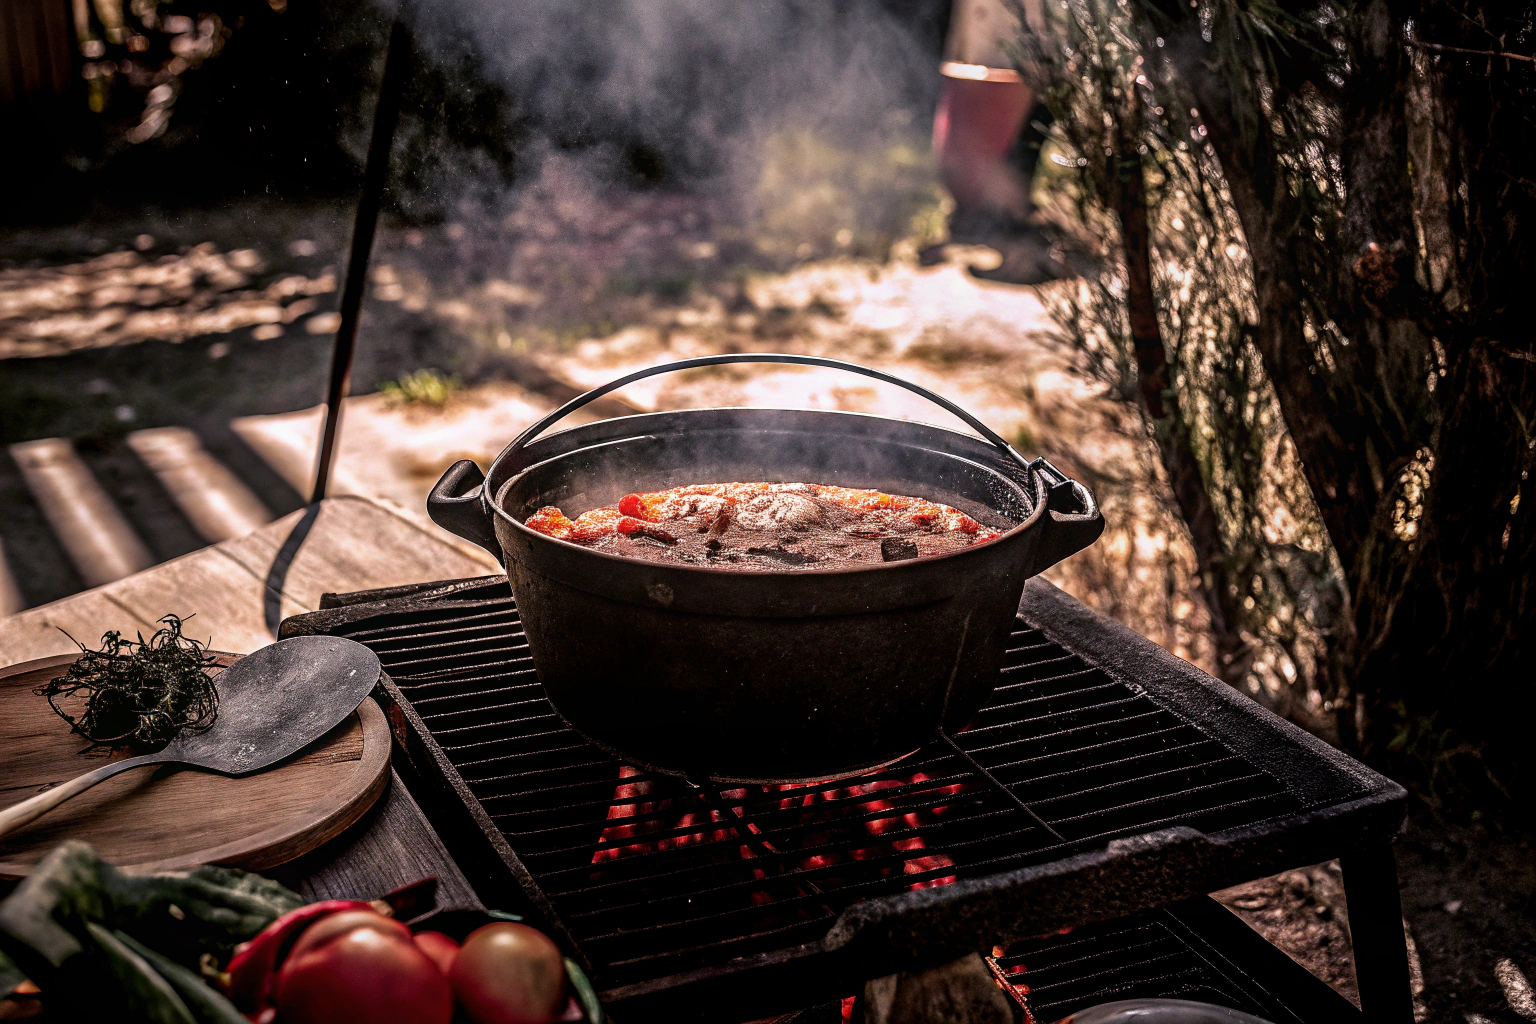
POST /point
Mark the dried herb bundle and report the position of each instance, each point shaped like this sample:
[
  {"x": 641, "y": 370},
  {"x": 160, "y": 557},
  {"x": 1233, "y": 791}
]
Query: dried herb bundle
[{"x": 138, "y": 692}]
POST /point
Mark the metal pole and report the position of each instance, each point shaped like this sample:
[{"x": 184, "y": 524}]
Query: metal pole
[{"x": 385, "y": 117}]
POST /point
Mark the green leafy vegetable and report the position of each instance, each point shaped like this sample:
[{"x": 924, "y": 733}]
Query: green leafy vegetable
[
  {"x": 142, "y": 994},
  {"x": 206, "y": 1005},
  {"x": 10, "y": 976},
  {"x": 79, "y": 928}
]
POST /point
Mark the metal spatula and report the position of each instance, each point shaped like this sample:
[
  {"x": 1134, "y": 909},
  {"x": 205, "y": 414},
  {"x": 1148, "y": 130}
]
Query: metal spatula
[{"x": 272, "y": 704}]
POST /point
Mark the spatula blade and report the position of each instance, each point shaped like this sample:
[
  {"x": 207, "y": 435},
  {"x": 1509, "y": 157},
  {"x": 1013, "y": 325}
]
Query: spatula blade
[{"x": 277, "y": 701}]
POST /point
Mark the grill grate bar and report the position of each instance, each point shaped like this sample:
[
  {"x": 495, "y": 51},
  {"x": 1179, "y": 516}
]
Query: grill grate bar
[
  {"x": 1010, "y": 794},
  {"x": 780, "y": 937},
  {"x": 440, "y": 715},
  {"x": 412, "y": 628},
  {"x": 1061, "y": 734},
  {"x": 546, "y": 716},
  {"x": 1042, "y": 662},
  {"x": 493, "y": 692},
  {"x": 1139, "y": 763},
  {"x": 779, "y": 835},
  {"x": 1141, "y": 737},
  {"x": 469, "y": 683},
  {"x": 778, "y": 796},
  {"x": 528, "y": 772},
  {"x": 563, "y": 733},
  {"x": 450, "y": 749},
  {"x": 455, "y": 674},
  {"x": 1022, "y": 706},
  {"x": 450, "y": 639},
  {"x": 436, "y": 657},
  {"x": 743, "y": 827},
  {"x": 1149, "y": 802}
]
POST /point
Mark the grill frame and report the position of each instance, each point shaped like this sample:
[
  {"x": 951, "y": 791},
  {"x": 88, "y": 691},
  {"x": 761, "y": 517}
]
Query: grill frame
[{"x": 1341, "y": 807}]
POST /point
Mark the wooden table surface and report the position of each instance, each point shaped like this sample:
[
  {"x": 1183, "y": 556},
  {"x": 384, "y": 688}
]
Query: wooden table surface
[{"x": 239, "y": 591}]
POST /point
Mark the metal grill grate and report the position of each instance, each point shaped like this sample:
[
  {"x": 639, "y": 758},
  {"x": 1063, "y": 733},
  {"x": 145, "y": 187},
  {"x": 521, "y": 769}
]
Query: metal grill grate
[
  {"x": 1193, "y": 950},
  {"x": 653, "y": 876},
  {"x": 1135, "y": 958}
]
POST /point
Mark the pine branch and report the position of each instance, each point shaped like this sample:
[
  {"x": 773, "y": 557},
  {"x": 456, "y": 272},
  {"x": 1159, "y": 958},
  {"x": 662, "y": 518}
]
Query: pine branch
[{"x": 1442, "y": 48}]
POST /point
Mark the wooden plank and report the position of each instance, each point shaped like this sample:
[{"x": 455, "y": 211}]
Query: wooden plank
[
  {"x": 232, "y": 605},
  {"x": 387, "y": 849},
  {"x": 92, "y": 530},
  {"x": 241, "y": 589},
  {"x": 11, "y": 600},
  {"x": 354, "y": 544},
  {"x": 215, "y": 501},
  {"x": 39, "y": 632}
]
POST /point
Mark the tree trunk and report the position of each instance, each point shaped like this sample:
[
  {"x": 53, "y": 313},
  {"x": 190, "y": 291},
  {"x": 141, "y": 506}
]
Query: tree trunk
[
  {"x": 1159, "y": 397},
  {"x": 1444, "y": 622},
  {"x": 1271, "y": 217},
  {"x": 1327, "y": 442}
]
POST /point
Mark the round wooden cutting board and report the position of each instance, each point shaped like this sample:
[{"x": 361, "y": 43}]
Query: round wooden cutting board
[{"x": 166, "y": 817}]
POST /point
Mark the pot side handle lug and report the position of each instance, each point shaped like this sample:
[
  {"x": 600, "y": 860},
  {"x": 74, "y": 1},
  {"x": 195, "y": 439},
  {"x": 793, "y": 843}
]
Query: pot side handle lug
[
  {"x": 1072, "y": 520},
  {"x": 457, "y": 505}
]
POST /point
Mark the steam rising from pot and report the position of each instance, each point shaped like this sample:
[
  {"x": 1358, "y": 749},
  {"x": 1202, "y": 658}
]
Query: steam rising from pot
[{"x": 702, "y": 86}]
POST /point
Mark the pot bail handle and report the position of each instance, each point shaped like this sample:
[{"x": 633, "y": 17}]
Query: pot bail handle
[
  {"x": 527, "y": 436},
  {"x": 457, "y": 504}
]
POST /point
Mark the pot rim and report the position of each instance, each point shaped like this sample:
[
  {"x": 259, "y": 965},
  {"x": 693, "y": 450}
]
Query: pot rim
[{"x": 1039, "y": 500}]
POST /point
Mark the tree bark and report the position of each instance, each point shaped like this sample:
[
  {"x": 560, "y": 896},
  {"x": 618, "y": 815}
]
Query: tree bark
[
  {"x": 1329, "y": 444},
  {"x": 1159, "y": 397}
]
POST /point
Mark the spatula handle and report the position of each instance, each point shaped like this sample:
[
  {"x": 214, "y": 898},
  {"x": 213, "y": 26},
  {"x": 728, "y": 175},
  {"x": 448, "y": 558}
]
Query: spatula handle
[{"x": 17, "y": 815}]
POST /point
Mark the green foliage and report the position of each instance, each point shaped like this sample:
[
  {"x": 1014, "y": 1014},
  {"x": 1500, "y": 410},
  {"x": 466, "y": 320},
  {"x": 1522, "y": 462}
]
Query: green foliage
[
  {"x": 424, "y": 387},
  {"x": 816, "y": 197},
  {"x": 1112, "y": 116},
  {"x": 1024, "y": 441},
  {"x": 1440, "y": 765}
]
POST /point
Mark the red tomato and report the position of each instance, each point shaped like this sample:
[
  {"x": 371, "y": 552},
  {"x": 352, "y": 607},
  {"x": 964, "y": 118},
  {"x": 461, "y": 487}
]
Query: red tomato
[
  {"x": 509, "y": 974},
  {"x": 440, "y": 949},
  {"x": 345, "y": 971},
  {"x": 332, "y": 925},
  {"x": 253, "y": 971}
]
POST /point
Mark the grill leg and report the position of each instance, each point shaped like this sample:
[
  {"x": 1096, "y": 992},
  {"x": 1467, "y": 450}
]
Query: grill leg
[{"x": 1376, "y": 925}]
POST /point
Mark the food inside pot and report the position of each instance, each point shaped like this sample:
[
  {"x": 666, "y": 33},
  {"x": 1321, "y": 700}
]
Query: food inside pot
[{"x": 768, "y": 526}]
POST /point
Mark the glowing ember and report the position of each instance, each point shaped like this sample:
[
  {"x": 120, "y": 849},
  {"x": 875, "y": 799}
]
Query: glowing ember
[{"x": 822, "y": 816}]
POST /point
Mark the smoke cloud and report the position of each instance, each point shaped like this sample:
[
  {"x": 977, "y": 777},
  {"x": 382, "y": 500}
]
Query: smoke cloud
[{"x": 698, "y": 86}]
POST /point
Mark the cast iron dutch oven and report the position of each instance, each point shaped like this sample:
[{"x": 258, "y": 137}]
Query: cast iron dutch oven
[{"x": 740, "y": 676}]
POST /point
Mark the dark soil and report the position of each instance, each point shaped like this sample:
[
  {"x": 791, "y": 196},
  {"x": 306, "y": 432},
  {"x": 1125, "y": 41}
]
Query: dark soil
[
  {"x": 1469, "y": 895},
  {"x": 1469, "y": 900}
]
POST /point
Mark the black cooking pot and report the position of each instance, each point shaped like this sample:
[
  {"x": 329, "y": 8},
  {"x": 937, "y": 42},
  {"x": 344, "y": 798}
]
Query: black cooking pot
[{"x": 742, "y": 676}]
